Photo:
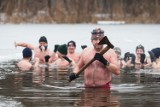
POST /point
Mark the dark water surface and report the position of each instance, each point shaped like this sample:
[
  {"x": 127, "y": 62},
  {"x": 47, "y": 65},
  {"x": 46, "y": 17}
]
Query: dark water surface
[{"x": 50, "y": 88}]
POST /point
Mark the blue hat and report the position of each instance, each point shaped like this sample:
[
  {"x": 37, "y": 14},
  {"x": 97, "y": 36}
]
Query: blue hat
[
  {"x": 156, "y": 52},
  {"x": 27, "y": 53}
]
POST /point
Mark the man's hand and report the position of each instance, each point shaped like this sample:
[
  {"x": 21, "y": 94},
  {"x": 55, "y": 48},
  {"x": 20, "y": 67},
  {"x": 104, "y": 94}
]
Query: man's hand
[
  {"x": 143, "y": 56},
  {"x": 126, "y": 56},
  {"x": 46, "y": 58},
  {"x": 72, "y": 76},
  {"x": 133, "y": 58},
  {"x": 83, "y": 46},
  {"x": 100, "y": 58},
  {"x": 67, "y": 59}
]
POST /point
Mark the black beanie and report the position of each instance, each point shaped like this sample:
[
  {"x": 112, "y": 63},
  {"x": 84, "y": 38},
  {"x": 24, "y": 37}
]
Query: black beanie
[
  {"x": 156, "y": 52},
  {"x": 62, "y": 49},
  {"x": 27, "y": 53},
  {"x": 43, "y": 39},
  {"x": 72, "y": 42}
]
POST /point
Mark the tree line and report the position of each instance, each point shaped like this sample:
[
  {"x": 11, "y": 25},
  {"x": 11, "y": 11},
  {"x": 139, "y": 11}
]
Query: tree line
[{"x": 79, "y": 11}]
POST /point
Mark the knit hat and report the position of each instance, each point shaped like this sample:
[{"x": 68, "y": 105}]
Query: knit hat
[
  {"x": 156, "y": 52},
  {"x": 43, "y": 39},
  {"x": 140, "y": 47},
  {"x": 62, "y": 49},
  {"x": 27, "y": 53},
  {"x": 97, "y": 33},
  {"x": 72, "y": 42},
  {"x": 56, "y": 47},
  {"x": 117, "y": 49}
]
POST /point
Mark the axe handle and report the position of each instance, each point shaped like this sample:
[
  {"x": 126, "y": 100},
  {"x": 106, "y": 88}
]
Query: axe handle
[{"x": 101, "y": 52}]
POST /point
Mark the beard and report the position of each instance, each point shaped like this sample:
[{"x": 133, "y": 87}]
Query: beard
[{"x": 98, "y": 47}]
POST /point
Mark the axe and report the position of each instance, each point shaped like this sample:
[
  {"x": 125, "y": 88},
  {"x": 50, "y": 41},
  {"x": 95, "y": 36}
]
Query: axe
[{"x": 104, "y": 40}]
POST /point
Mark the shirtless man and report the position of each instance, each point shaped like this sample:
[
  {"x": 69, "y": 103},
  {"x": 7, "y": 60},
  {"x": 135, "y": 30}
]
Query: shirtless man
[
  {"x": 71, "y": 51},
  {"x": 99, "y": 73},
  {"x": 42, "y": 52},
  {"x": 121, "y": 62},
  {"x": 63, "y": 61},
  {"x": 25, "y": 63}
]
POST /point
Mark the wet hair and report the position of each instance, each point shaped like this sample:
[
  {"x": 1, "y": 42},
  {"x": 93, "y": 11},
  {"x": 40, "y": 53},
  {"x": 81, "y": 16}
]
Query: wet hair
[
  {"x": 43, "y": 39},
  {"x": 140, "y": 47},
  {"x": 72, "y": 42}
]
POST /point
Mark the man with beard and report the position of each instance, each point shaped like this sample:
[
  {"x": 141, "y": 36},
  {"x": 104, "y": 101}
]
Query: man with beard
[{"x": 99, "y": 73}]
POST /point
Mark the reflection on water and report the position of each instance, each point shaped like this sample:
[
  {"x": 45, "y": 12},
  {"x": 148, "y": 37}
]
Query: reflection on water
[{"x": 46, "y": 87}]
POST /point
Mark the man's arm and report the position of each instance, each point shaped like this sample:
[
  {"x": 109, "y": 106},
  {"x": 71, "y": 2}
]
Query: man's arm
[
  {"x": 114, "y": 66},
  {"x": 74, "y": 75},
  {"x": 25, "y": 45}
]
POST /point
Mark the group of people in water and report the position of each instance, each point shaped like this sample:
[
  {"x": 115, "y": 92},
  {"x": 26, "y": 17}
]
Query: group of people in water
[
  {"x": 139, "y": 60},
  {"x": 96, "y": 74}
]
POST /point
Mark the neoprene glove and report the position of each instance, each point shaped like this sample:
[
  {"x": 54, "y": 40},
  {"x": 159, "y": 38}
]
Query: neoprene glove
[
  {"x": 73, "y": 76},
  {"x": 133, "y": 58},
  {"x": 67, "y": 59},
  {"x": 126, "y": 56},
  {"x": 47, "y": 58},
  {"x": 100, "y": 58},
  {"x": 83, "y": 46},
  {"x": 143, "y": 56}
]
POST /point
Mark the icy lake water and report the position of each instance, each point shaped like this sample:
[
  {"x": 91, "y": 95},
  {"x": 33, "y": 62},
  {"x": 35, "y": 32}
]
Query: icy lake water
[{"x": 50, "y": 88}]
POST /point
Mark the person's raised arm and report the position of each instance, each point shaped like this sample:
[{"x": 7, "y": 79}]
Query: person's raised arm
[{"x": 22, "y": 44}]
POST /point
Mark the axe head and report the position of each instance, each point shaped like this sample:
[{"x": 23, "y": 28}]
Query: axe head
[{"x": 106, "y": 41}]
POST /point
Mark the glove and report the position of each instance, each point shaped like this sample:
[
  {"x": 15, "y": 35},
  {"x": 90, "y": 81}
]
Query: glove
[
  {"x": 73, "y": 76},
  {"x": 153, "y": 58},
  {"x": 126, "y": 56},
  {"x": 83, "y": 46},
  {"x": 143, "y": 56},
  {"x": 67, "y": 59},
  {"x": 100, "y": 58},
  {"x": 133, "y": 58},
  {"x": 47, "y": 58}
]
